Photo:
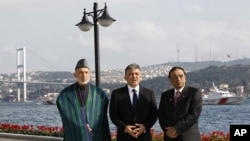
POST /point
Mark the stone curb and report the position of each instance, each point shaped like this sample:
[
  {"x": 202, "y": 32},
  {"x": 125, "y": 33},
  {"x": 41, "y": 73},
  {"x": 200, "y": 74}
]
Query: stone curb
[{"x": 28, "y": 137}]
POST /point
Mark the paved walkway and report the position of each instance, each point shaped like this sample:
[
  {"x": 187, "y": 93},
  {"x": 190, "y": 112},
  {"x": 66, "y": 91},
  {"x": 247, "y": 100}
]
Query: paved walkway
[
  {"x": 20, "y": 137},
  {"x": 4, "y": 139}
]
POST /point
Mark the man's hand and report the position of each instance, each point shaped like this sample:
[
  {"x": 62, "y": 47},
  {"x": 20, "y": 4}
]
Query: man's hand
[
  {"x": 130, "y": 129},
  {"x": 171, "y": 132},
  {"x": 140, "y": 129},
  {"x": 90, "y": 129}
]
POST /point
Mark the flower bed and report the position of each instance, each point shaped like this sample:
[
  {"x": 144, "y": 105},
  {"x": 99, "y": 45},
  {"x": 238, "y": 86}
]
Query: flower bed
[
  {"x": 31, "y": 130},
  {"x": 58, "y": 132}
]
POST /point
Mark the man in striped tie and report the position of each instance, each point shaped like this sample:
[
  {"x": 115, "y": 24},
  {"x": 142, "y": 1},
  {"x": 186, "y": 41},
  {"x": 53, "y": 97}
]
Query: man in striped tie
[
  {"x": 83, "y": 108},
  {"x": 180, "y": 108}
]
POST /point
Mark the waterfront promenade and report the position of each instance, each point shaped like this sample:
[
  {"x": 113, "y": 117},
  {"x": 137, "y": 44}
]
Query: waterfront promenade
[{"x": 20, "y": 137}]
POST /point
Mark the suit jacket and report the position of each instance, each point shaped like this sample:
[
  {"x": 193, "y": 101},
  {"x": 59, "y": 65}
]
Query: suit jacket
[
  {"x": 184, "y": 117},
  {"x": 121, "y": 112}
]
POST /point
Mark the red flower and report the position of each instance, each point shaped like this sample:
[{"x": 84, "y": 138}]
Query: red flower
[{"x": 58, "y": 132}]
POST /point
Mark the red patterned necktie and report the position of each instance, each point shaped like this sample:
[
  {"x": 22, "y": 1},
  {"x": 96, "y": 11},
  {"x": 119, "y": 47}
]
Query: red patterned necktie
[{"x": 177, "y": 94}]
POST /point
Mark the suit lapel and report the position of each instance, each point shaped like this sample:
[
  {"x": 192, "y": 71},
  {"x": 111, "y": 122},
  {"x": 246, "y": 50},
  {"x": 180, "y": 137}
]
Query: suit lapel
[
  {"x": 141, "y": 93},
  {"x": 182, "y": 97},
  {"x": 128, "y": 100},
  {"x": 172, "y": 97}
]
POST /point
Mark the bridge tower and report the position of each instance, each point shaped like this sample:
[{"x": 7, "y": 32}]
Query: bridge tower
[{"x": 21, "y": 68}]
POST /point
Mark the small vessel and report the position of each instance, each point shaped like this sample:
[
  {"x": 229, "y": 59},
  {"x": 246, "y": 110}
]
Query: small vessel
[
  {"x": 39, "y": 103},
  {"x": 49, "y": 98},
  {"x": 222, "y": 97},
  {"x": 10, "y": 98}
]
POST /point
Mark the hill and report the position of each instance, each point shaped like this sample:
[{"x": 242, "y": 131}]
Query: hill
[
  {"x": 235, "y": 75},
  {"x": 199, "y": 74}
]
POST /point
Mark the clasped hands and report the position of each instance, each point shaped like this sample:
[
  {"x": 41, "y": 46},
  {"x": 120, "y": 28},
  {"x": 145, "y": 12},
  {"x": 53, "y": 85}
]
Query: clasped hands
[
  {"x": 171, "y": 132},
  {"x": 135, "y": 130}
]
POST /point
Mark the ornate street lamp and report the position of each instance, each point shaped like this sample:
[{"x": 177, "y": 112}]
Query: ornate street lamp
[{"x": 85, "y": 25}]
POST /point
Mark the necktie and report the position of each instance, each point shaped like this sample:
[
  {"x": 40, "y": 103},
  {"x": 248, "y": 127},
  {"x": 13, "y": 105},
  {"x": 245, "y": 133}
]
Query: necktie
[
  {"x": 176, "y": 97},
  {"x": 135, "y": 98}
]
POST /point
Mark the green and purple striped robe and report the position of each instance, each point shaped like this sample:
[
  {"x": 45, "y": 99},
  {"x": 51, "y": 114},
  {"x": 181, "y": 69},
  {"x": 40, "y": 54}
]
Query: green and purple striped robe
[{"x": 76, "y": 117}]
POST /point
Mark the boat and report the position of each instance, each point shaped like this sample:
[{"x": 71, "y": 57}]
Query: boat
[
  {"x": 49, "y": 98},
  {"x": 39, "y": 103},
  {"x": 222, "y": 97},
  {"x": 9, "y": 98}
]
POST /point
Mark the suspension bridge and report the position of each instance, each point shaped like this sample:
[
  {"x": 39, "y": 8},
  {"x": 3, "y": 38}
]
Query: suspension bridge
[{"x": 21, "y": 81}]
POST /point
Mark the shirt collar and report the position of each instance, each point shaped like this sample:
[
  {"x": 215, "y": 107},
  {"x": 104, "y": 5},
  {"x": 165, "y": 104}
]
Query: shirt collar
[
  {"x": 180, "y": 90},
  {"x": 131, "y": 88}
]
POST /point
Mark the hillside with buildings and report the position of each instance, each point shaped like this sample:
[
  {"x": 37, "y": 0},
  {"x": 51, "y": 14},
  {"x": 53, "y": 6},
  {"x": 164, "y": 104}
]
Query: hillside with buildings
[{"x": 200, "y": 74}]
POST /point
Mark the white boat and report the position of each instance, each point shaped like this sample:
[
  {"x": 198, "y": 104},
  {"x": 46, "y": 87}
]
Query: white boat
[
  {"x": 39, "y": 102},
  {"x": 49, "y": 98},
  {"x": 222, "y": 97}
]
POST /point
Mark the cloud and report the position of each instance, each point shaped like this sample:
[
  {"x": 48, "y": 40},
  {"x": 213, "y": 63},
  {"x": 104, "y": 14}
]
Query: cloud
[
  {"x": 193, "y": 8},
  {"x": 147, "y": 32},
  {"x": 35, "y": 5}
]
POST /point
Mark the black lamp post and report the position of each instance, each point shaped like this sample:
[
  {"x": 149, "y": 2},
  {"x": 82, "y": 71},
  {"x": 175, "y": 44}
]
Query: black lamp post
[{"x": 85, "y": 25}]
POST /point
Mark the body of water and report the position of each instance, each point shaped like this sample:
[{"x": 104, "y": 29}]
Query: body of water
[{"x": 213, "y": 117}]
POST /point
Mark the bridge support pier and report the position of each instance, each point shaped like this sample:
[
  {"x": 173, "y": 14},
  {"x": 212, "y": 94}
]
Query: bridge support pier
[{"x": 21, "y": 68}]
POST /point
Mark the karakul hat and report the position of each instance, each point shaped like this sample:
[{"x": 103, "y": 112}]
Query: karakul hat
[{"x": 82, "y": 63}]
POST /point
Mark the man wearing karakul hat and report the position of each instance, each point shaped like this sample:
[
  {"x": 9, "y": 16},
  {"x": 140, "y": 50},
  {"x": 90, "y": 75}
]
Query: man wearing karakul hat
[{"x": 83, "y": 108}]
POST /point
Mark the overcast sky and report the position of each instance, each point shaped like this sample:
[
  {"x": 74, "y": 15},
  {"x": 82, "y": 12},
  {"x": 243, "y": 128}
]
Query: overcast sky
[{"x": 146, "y": 32}]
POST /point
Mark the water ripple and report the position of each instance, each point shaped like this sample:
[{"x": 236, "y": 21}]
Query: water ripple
[{"x": 213, "y": 117}]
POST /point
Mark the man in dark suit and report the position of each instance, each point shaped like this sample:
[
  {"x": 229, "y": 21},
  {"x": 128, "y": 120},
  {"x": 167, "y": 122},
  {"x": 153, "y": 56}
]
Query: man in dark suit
[
  {"x": 133, "y": 108},
  {"x": 179, "y": 109}
]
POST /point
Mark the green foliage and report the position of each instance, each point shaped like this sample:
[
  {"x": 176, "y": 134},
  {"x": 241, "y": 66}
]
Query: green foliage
[{"x": 232, "y": 75}]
